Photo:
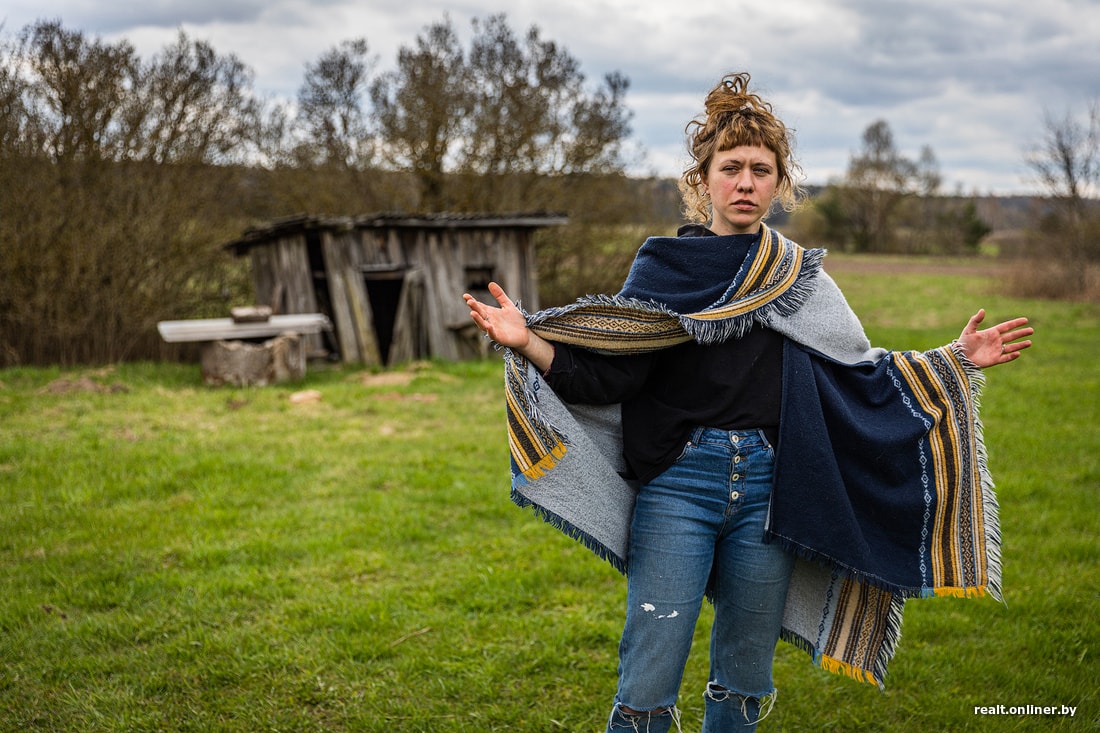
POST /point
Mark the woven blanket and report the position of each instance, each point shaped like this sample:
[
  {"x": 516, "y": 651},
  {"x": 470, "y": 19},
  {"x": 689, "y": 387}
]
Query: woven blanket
[{"x": 881, "y": 485}]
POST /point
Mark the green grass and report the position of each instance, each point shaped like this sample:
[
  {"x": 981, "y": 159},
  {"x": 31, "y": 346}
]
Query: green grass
[{"x": 180, "y": 558}]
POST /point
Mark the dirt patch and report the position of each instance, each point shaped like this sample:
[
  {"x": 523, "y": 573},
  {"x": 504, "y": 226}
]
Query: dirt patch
[
  {"x": 306, "y": 397},
  {"x": 388, "y": 379}
]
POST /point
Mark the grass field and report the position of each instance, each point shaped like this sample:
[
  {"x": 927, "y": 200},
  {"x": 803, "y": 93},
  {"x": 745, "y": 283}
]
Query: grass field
[{"x": 180, "y": 558}]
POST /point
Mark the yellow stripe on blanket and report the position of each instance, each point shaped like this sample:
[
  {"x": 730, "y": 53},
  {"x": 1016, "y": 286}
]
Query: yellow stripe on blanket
[{"x": 835, "y": 666}]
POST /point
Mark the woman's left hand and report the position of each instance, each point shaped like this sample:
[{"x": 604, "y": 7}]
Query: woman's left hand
[{"x": 999, "y": 344}]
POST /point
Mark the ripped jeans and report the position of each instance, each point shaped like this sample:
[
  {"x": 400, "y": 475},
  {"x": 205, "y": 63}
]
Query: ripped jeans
[{"x": 703, "y": 518}]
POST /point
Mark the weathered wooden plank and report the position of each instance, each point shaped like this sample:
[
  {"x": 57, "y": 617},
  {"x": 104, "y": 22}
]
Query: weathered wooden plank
[
  {"x": 438, "y": 309},
  {"x": 225, "y": 329},
  {"x": 362, "y": 316},
  {"x": 354, "y": 252},
  {"x": 341, "y": 315},
  {"x": 410, "y": 340},
  {"x": 350, "y": 306}
]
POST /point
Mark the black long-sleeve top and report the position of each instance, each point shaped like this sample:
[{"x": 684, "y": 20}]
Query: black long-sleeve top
[{"x": 666, "y": 394}]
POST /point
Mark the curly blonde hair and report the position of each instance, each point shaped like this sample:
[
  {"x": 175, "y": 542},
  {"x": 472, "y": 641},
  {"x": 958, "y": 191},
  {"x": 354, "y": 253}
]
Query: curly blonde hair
[{"x": 735, "y": 116}]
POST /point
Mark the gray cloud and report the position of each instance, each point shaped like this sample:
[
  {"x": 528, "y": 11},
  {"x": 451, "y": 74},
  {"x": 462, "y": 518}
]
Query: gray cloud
[
  {"x": 109, "y": 18},
  {"x": 971, "y": 79}
]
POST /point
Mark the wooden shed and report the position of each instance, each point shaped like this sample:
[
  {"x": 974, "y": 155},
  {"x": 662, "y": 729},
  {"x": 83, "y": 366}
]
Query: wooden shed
[{"x": 392, "y": 284}]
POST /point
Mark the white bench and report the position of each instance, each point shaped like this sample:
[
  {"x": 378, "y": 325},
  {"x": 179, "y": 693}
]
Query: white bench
[
  {"x": 228, "y": 358},
  {"x": 229, "y": 329}
]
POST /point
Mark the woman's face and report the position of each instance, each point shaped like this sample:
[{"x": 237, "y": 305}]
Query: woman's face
[{"x": 742, "y": 183}]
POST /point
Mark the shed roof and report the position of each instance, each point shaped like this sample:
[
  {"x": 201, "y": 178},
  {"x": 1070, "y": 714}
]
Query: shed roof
[{"x": 276, "y": 228}]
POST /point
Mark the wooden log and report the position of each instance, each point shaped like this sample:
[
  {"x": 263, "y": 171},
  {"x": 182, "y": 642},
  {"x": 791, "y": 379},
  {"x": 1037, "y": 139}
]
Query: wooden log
[{"x": 243, "y": 364}]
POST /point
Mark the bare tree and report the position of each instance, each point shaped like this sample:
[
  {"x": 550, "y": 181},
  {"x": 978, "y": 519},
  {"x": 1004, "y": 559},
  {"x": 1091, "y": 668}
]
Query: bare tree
[
  {"x": 419, "y": 108},
  {"x": 195, "y": 105},
  {"x": 13, "y": 109},
  {"x": 78, "y": 87},
  {"x": 879, "y": 178},
  {"x": 329, "y": 150},
  {"x": 331, "y": 108},
  {"x": 1067, "y": 161},
  {"x": 531, "y": 111},
  {"x": 600, "y": 126},
  {"x": 500, "y": 119}
]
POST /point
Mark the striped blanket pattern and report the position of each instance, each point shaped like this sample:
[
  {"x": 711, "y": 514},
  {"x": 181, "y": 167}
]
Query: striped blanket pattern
[{"x": 846, "y": 599}]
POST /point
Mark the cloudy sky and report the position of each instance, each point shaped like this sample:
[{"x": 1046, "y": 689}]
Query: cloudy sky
[{"x": 971, "y": 79}]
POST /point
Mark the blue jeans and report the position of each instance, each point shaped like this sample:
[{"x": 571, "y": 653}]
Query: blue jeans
[{"x": 700, "y": 525}]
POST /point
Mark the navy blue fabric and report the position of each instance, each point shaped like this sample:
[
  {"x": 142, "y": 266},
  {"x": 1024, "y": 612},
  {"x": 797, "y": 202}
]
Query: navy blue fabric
[
  {"x": 846, "y": 454},
  {"x": 688, "y": 274}
]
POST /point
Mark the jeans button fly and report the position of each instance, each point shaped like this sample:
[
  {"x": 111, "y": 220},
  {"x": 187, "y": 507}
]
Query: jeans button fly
[{"x": 735, "y": 495}]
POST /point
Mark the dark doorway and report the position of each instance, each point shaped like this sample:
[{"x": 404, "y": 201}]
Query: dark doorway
[{"x": 384, "y": 284}]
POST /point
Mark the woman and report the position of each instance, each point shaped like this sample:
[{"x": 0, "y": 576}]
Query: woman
[{"x": 726, "y": 341}]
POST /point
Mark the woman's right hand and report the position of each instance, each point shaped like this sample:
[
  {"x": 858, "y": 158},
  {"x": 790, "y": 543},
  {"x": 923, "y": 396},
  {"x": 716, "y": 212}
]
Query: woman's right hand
[{"x": 507, "y": 326}]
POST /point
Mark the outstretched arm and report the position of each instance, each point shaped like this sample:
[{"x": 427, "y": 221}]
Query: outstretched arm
[
  {"x": 998, "y": 344},
  {"x": 507, "y": 326}
]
